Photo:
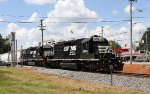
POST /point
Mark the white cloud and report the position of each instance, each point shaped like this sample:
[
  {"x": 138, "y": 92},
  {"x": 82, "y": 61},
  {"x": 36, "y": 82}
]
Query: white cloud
[
  {"x": 31, "y": 37},
  {"x": 12, "y": 27},
  {"x": 40, "y": 2},
  {"x": 1, "y": 19},
  {"x": 35, "y": 17},
  {"x": 127, "y": 9},
  {"x": 68, "y": 9},
  {"x": 115, "y": 11},
  {"x": 123, "y": 38},
  {"x": 26, "y": 37},
  {"x": 138, "y": 26},
  {"x": 3, "y": 0}
]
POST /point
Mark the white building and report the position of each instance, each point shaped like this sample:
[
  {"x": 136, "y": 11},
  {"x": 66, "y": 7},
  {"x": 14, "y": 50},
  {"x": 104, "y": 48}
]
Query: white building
[{"x": 7, "y": 57}]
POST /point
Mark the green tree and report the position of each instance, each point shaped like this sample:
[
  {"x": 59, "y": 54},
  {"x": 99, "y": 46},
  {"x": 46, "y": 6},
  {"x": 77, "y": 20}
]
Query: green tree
[
  {"x": 1, "y": 44},
  {"x": 4, "y": 46},
  {"x": 145, "y": 41},
  {"x": 114, "y": 44}
]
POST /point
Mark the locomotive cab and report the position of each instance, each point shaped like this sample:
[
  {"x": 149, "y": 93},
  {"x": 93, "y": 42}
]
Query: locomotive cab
[
  {"x": 95, "y": 45},
  {"x": 100, "y": 45}
]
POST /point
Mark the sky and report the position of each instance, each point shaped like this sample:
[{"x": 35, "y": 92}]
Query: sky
[{"x": 72, "y": 19}]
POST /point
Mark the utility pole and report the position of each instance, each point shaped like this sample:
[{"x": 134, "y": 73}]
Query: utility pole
[
  {"x": 12, "y": 39},
  {"x": 102, "y": 31},
  {"x": 147, "y": 45},
  {"x": 42, "y": 29},
  {"x": 42, "y": 52},
  {"x": 21, "y": 57},
  {"x": 131, "y": 3},
  {"x": 16, "y": 53}
]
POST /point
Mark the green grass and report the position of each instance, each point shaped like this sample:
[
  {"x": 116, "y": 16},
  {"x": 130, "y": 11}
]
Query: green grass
[{"x": 24, "y": 81}]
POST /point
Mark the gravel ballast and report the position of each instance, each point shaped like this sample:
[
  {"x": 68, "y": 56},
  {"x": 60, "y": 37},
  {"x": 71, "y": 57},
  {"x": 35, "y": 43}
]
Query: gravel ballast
[{"x": 142, "y": 84}]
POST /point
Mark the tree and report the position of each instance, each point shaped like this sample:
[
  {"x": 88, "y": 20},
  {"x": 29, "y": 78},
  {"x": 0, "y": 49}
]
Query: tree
[
  {"x": 4, "y": 46},
  {"x": 144, "y": 43},
  {"x": 114, "y": 44},
  {"x": 1, "y": 44}
]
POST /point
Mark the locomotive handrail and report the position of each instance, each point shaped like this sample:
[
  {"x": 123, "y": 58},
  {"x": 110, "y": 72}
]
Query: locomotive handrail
[{"x": 73, "y": 59}]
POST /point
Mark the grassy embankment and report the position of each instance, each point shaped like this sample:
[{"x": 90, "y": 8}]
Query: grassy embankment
[{"x": 24, "y": 81}]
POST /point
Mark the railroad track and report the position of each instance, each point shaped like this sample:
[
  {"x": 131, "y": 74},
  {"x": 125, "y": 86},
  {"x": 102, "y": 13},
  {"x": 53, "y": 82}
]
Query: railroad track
[
  {"x": 117, "y": 73},
  {"x": 132, "y": 74}
]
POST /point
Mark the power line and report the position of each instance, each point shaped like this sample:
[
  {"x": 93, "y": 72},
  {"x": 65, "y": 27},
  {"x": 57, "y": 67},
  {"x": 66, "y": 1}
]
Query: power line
[
  {"x": 21, "y": 16},
  {"x": 103, "y": 21},
  {"x": 116, "y": 34},
  {"x": 116, "y": 25},
  {"x": 69, "y": 20}
]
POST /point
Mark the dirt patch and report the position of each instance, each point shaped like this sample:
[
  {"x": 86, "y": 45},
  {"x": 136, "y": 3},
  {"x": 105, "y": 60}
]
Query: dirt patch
[{"x": 137, "y": 68}]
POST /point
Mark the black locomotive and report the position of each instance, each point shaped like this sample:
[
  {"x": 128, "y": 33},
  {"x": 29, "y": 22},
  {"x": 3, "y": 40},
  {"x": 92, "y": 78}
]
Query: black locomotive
[
  {"x": 92, "y": 53},
  {"x": 36, "y": 55}
]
